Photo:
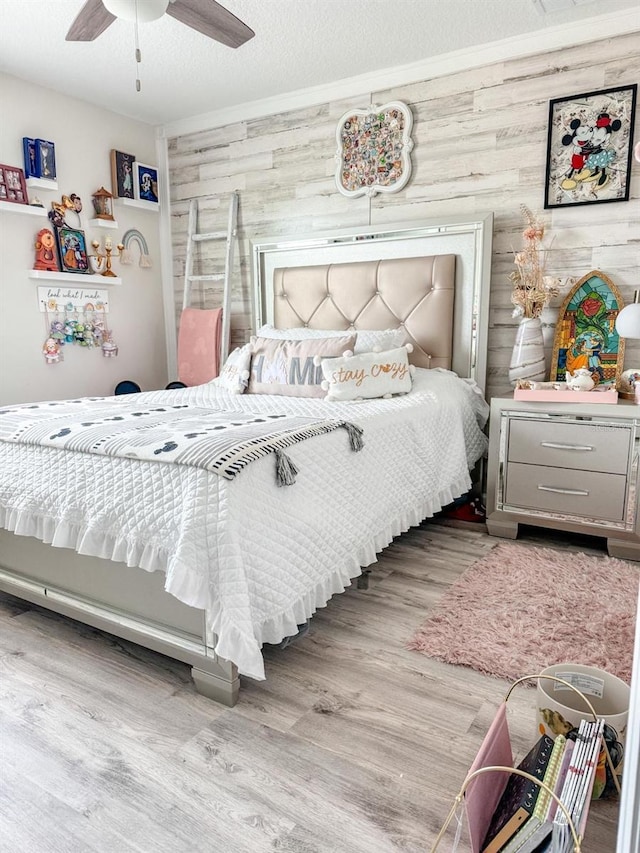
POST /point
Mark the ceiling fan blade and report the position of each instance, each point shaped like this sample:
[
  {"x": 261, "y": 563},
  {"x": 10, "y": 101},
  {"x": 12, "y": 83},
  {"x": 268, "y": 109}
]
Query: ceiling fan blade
[
  {"x": 90, "y": 21},
  {"x": 211, "y": 19}
]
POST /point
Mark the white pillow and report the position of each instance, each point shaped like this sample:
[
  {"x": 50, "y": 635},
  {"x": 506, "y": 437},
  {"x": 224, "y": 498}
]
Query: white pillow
[
  {"x": 368, "y": 375},
  {"x": 234, "y": 376},
  {"x": 367, "y": 340}
]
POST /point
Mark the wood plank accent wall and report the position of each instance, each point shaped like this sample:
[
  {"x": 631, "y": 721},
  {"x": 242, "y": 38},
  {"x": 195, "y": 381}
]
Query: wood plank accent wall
[{"x": 480, "y": 145}]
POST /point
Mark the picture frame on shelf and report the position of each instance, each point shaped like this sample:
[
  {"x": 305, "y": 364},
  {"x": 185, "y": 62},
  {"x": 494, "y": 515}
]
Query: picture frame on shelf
[
  {"x": 589, "y": 147},
  {"x": 31, "y": 165},
  {"x": 146, "y": 182},
  {"x": 72, "y": 250},
  {"x": 122, "y": 177},
  {"x": 12, "y": 185},
  {"x": 46, "y": 159},
  {"x": 586, "y": 335}
]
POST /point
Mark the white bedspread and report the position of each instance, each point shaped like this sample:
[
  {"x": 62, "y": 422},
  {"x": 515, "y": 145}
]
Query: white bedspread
[{"x": 260, "y": 559}]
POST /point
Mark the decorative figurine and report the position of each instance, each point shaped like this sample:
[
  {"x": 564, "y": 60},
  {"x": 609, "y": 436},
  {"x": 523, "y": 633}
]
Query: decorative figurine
[
  {"x": 580, "y": 380},
  {"x": 35, "y": 202},
  {"x": 51, "y": 351},
  {"x": 101, "y": 264},
  {"x": 102, "y": 204},
  {"x": 46, "y": 258}
]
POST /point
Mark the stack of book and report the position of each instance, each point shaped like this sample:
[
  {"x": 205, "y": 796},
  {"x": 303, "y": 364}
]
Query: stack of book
[{"x": 527, "y": 818}]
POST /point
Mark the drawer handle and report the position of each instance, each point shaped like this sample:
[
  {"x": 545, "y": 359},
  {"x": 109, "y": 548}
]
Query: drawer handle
[
  {"x": 580, "y": 492},
  {"x": 565, "y": 446}
]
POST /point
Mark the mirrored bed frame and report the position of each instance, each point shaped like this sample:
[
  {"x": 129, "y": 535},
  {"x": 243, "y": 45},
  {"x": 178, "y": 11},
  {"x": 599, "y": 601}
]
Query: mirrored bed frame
[{"x": 131, "y": 603}]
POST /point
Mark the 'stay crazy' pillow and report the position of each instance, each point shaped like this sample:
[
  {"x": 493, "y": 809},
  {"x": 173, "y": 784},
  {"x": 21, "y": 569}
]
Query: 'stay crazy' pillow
[
  {"x": 292, "y": 368},
  {"x": 372, "y": 374}
]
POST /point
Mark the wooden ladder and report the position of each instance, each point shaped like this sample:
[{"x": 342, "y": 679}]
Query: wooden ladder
[{"x": 194, "y": 237}]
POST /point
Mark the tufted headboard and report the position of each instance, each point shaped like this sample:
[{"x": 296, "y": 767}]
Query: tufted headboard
[
  {"x": 415, "y": 293},
  {"x": 432, "y": 278}
]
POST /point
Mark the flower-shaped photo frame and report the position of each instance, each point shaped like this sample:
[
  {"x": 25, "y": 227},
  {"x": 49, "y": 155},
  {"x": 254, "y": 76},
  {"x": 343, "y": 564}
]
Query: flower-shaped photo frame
[{"x": 374, "y": 150}]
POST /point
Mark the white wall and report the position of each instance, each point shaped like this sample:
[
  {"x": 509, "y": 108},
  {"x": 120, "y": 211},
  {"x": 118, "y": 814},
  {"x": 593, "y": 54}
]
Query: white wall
[{"x": 83, "y": 135}]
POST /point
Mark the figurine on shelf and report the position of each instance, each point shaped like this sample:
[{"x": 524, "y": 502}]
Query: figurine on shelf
[
  {"x": 35, "y": 202},
  {"x": 101, "y": 264},
  {"x": 51, "y": 351},
  {"x": 46, "y": 257},
  {"x": 102, "y": 204}
]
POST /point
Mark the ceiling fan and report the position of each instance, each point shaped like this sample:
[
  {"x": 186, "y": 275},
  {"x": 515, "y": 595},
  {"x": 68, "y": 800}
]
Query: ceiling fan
[{"x": 205, "y": 16}]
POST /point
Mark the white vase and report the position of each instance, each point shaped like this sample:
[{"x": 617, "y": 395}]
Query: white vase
[{"x": 527, "y": 358}]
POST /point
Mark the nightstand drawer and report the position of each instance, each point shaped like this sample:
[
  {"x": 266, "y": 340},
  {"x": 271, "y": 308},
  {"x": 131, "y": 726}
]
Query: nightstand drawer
[
  {"x": 584, "y": 493},
  {"x": 569, "y": 445}
]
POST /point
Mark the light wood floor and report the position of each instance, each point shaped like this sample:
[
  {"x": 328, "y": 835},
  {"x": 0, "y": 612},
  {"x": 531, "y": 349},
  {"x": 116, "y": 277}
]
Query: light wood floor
[{"x": 352, "y": 745}]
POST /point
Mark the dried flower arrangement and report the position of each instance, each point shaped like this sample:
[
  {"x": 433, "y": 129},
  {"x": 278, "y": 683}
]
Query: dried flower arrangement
[{"x": 532, "y": 288}]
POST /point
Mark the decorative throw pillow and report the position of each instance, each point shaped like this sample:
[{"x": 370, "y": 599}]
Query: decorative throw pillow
[
  {"x": 234, "y": 376},
  {"x": 366, "y": 341},
  {"x": 371, "y": 374},
  {"x": 292, "y": 368}
]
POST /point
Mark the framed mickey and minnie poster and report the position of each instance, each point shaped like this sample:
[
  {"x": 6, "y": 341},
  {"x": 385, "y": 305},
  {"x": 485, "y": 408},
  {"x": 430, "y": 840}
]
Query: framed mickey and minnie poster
[{"x": 589, "y": 146}]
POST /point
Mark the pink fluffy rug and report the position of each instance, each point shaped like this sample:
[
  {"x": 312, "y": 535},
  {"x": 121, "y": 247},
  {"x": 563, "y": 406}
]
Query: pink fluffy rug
[{"x": 520, "y": 609}]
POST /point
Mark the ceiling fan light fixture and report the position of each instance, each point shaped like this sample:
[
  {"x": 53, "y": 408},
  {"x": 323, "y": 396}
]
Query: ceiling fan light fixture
[{"x": 147, "y": 10}]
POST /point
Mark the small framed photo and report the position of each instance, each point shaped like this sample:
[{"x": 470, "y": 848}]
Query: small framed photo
[
  {"x": 589, "y": 147},
  {"x": 122, "y": 174},
  {"x": 46, "y": 159},
  {"x": 72, "y": 250},
  {"x": 146, "y": 182},
  {"x": 31, "y": 165},
  {"x": 12, "y": 185}
]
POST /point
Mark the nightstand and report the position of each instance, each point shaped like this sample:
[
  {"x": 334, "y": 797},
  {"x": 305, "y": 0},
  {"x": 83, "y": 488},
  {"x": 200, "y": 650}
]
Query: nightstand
[{"x": 568, "y": 466}]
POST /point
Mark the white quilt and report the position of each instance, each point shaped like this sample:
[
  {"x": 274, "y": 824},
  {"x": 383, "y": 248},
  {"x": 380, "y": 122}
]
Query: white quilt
[{"x": 260, "y": 559}]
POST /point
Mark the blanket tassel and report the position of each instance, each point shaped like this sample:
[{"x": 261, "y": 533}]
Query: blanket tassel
[
  {"x": 285, "y": 469},
  {"x": 355, "y": 436}
]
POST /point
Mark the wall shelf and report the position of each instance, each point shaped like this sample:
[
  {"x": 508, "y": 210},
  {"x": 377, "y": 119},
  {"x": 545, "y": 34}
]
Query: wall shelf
[
  {"x": 79, "y": 279},
  {"x": 140, "y": 203},
  {"x": 29, "y": 209},
  {"x": 42, "y": 183},
  {"x": 103, "y": 223}
]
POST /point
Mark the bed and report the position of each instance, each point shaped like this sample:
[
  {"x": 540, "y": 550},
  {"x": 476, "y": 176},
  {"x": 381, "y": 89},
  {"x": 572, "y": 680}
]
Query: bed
[{"x": 206, "y": 569}]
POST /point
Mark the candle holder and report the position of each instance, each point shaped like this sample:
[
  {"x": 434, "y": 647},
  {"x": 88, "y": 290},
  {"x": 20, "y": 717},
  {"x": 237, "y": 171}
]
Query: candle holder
[{"x": 101, "y": 263}]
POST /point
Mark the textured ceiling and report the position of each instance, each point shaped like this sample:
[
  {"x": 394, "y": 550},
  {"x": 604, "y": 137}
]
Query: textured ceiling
[{"x": 298, "y": 44}]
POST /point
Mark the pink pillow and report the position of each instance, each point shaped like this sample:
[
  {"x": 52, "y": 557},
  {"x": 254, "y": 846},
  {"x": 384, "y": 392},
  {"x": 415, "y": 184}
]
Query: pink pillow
[{"x": 289, "y": 368}]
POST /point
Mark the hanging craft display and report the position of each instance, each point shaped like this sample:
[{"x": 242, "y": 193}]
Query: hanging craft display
[
  {"x": 134, "y": 236},
  {"x": 75, "y": 317},
  {"x": 72, "y": 299},
  {"x": 374, "y": 148}
]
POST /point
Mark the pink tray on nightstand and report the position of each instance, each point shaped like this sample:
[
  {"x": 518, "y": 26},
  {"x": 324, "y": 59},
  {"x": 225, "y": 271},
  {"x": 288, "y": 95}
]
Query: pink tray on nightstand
[{"x": 549, "y": 396}]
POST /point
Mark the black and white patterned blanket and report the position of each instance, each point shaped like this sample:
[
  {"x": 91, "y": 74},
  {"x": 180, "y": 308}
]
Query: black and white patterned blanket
[{"x": 218, "y": 441}]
